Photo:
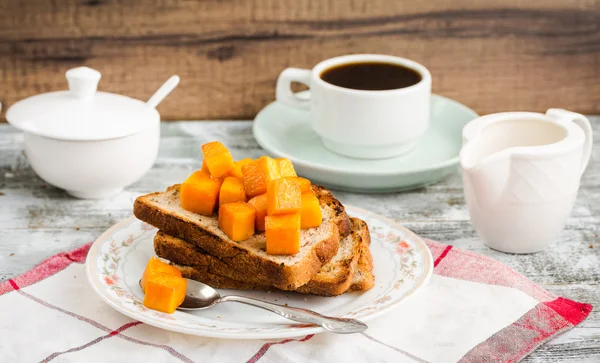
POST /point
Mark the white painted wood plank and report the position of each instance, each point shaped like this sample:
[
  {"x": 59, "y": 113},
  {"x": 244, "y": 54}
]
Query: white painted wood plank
[{"x": 38, "y": 221}]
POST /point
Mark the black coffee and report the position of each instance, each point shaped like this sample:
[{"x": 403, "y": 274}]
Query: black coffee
[{"x": 371, "y": 76}]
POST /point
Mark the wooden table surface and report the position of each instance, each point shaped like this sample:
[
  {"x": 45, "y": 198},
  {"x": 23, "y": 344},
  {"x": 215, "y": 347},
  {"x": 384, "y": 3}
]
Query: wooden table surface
[{"x": 38, "y": 221}]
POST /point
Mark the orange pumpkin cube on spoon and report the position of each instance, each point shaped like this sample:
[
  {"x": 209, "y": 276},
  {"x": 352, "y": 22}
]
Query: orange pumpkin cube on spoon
[
  {"x": 156, "y": 266},
  {"x": 165, "y": 292}
]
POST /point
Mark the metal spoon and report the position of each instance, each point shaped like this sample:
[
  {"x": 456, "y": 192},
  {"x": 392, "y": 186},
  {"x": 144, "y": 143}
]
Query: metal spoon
[
  {"x": 201, "y": 296},
  {"x": 163, "y": 91}
]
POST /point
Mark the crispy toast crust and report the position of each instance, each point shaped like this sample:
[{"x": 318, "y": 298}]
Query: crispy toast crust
[
  {"x": 340, "y": 218},
  {"x": 364, "y": 278},
  {"x": 332, "y": 284},
  {"x": 241, "y": 258},
  {"x": 333, "y": 279}
]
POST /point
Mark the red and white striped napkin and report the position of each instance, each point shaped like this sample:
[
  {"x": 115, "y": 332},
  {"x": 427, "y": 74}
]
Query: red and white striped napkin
[{"x": 474, "y": 309}]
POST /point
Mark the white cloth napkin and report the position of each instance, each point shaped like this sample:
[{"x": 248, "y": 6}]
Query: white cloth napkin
[{"x": 474, "y": 309}]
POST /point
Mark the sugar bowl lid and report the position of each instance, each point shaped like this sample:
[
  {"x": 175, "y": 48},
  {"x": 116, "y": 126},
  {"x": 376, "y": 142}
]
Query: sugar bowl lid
[{"x": 82, "y": 113}]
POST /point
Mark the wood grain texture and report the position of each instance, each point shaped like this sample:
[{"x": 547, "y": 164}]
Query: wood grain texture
[
  {"x": 493, "y": 55},
  {"x": 38, "y": 221}
]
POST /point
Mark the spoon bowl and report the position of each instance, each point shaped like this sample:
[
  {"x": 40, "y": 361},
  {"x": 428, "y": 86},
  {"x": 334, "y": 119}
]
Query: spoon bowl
[{"x": 200, "y": 296}]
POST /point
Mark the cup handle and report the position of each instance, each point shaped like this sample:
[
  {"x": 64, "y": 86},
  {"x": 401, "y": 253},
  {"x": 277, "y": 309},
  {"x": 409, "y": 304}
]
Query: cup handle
[
  {"x": 581, "y": 121},
  {"x": 284, "y": 92}
]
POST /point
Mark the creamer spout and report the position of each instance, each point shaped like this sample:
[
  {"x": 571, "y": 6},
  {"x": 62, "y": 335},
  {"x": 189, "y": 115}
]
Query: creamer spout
[{"x": 485, "y": 176}]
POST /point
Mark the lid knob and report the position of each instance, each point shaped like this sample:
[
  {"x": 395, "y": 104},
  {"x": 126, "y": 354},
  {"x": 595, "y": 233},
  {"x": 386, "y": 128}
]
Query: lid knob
[{"x": 83, "y": 81}]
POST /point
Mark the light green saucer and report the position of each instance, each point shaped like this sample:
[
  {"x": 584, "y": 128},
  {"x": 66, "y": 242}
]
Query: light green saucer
[{"x": 285, "y": 132}]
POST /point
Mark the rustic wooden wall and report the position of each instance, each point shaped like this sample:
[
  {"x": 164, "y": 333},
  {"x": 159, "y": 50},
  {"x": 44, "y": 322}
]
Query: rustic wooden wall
[{"x": 492, "y": 55}]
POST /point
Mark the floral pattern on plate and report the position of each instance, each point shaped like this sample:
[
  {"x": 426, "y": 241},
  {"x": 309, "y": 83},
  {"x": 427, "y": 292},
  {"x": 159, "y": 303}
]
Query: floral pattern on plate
[{"x": 402, "y": 264}]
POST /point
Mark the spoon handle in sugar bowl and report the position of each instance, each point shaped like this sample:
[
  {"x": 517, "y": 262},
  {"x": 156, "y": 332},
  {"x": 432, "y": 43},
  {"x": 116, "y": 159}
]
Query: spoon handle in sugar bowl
[
  {"x": 332, "y": 324},
  {"x": 163, "y": 91}
]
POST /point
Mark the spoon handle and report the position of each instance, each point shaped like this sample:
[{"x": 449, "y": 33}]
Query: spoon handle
[
  {"x": 163, "y": 91},
  {"x": 334, "y": 325}
]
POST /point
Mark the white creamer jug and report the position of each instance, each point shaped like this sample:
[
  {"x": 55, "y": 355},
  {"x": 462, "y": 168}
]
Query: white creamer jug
[{"x": 521, "y": 173}]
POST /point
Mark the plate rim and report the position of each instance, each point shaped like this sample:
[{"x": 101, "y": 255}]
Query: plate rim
[
  {"x": 93, "y": 280},
  {"x": 302, "y": 163}
]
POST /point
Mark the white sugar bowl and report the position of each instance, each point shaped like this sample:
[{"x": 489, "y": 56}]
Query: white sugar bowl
[{"x": 90, "y": 143}]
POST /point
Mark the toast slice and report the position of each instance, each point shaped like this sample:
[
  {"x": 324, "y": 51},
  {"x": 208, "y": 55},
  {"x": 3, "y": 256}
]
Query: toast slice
[
  {"x": 343, "y": 272},
  {"x": 362, "y": 281},
  {"x": 336, "y": 277},
  {"x": 249, "y": 258},
  {"x": 363, "y": 277}
]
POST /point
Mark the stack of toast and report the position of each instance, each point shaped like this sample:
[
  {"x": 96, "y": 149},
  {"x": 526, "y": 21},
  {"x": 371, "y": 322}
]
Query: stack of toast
[{"x": 334, "y": 257}]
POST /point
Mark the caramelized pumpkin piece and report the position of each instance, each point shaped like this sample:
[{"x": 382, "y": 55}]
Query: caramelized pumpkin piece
[
  {"x": 155, "y": 266},
  {"x": 286, "y": 168},
  {"x": 204, "y": 168},
  {"x": 218, "y": 159},
  {"x": 165, "y": 292},
  {"x": 260, "y": 205},
  {"x": 310, "y": 215},
  {"x": 237, "y": 220},
  {"x": 283, "y": 196},
  {"x": 303, "y": 183},
  {"x": 283, "y": 234},
  {"x": 258, "y": 174},
  {"x": 232, "y": 190},
  {"x": 200, "y": 193},
  {"x": 236, "y": 171}
]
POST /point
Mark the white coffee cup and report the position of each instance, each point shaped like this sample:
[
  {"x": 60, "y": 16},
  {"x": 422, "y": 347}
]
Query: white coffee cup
[{"x": 361, "y": 123}]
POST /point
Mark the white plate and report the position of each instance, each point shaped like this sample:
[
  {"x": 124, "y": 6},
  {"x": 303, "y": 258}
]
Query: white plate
[
  {"x": 286, "y": 132},
  {"x": 116, "y": 261}
]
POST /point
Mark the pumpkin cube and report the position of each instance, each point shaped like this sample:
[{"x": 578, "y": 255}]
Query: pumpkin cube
[
  {"x": 236, "y": 171},
  {"x": 165, "y": 292},
  {"x": 155, "y": 266},
  {"x": 218, "y": 159},
  {"x": 283, "y": 234},
  {"x": 204, "y": 168},
  {"x": 200, "y": 193},
  {"x": 286, "y": 168},
  {"x": 237, "y": 220},
  {"x": 258, "y": 174},
  {"x": 232, "y": 190},
  {"x": 283, "y": 196},
  {"x": 260, "y": 205},
  {"x": 303, "y": 183},
  {"x": 310, "y": 215}
]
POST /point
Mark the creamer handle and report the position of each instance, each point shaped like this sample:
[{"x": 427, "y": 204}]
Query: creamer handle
[{"x": 585, "y": 125}]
